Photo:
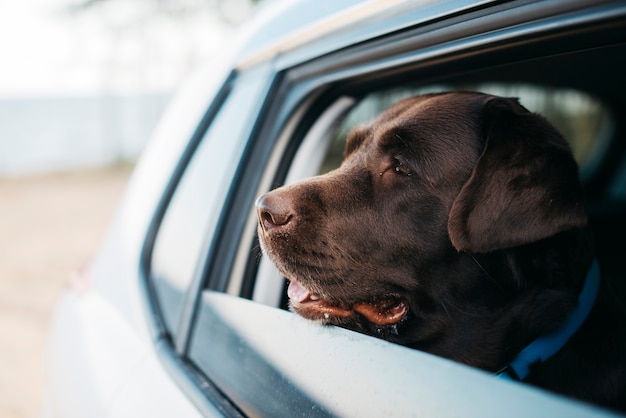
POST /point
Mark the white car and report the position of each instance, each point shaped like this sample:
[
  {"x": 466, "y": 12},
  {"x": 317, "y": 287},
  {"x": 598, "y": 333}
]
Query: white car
[{"x": 179, "y": 315}]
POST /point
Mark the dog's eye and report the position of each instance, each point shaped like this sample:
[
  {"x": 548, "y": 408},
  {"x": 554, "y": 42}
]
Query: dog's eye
[{"x": 400, "y": 168}]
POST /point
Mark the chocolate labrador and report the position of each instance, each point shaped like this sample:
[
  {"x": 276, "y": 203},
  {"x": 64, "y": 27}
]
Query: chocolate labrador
[{"x": 456, "y": 225}]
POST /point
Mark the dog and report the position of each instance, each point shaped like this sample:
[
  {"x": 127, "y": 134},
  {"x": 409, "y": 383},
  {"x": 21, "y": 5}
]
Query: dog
[{"x": 456, "y": 225}]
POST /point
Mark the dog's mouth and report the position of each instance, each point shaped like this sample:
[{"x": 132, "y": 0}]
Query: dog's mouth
[{"x": 386, "y": 311}]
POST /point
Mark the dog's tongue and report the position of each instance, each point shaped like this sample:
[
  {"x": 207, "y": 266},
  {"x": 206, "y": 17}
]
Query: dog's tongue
[{"x": 297, "y": 293}]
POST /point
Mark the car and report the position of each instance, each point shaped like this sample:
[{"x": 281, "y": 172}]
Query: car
[{"x": 179, "y": 314}]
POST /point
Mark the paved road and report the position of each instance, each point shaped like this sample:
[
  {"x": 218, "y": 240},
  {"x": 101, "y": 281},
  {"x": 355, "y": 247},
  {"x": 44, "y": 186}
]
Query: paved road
[{"x": 49, "y": 226}]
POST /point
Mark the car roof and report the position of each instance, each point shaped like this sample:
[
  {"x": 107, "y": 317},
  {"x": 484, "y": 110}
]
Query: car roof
[{"x": 319, "y": 27}]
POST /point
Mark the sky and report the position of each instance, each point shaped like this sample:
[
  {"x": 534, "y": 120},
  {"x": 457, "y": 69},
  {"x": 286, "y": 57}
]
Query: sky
[
  {"x": 33, "y": 46},
  {"x": 117, "y": 46},
  {"x": 87, "y": 88}
]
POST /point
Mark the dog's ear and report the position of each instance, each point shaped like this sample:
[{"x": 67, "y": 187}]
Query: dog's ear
[{"x": 524, "y": 186}]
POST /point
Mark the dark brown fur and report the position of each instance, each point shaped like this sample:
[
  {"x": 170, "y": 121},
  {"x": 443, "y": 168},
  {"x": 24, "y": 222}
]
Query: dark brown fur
[{"x": 455, "y": 225}]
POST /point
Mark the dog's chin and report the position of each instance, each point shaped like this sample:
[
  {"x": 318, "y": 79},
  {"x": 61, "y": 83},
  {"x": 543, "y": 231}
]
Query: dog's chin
[{"x": 381, "y": 312}]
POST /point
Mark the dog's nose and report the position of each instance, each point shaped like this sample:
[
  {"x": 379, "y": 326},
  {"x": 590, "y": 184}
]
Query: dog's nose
[{"x": 273, "y": 211}]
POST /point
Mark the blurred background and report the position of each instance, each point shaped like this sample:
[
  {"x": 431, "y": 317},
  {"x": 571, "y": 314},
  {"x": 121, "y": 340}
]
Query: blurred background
[{"x": 82, "y": 86}]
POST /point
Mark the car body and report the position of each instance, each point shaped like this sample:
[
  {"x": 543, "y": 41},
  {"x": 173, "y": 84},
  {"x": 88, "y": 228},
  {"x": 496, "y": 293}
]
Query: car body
[{"x": 178, "y": 313}]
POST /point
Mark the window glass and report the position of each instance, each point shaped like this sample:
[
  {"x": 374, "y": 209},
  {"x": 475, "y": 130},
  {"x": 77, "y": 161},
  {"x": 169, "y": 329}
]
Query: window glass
[
  {"x": 195, "y": 206},
  {"x": 271, "y": 364}
]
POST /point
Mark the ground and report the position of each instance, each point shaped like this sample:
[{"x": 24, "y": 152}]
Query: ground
[{"x": 49, "y": 226}]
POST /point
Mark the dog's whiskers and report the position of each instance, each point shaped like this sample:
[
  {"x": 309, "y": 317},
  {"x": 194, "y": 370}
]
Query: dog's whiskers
[
  {"x": 489, "y": 276},
  {"x": 446, "y": 310}
]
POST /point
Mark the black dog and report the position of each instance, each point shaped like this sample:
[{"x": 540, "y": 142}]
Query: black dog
[{"x": 455, "y": 225}]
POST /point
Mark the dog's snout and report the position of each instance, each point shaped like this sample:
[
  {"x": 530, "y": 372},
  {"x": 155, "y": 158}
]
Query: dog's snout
[{"x": 273, "y": 211}]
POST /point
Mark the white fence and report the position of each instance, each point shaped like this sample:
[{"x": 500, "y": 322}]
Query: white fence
[{"x": 48, "y": 134}]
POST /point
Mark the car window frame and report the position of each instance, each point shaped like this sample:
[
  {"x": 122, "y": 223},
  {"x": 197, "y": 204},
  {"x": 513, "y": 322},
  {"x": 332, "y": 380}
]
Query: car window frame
[
  {"x": 171, "y": 349},
  {"x": 156, "y": 320},
  {"x": 204, "y": 395},
  {"x": 211, "y": 142}
]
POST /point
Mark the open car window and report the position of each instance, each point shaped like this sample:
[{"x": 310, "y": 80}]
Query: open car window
[
  {"x": 269, "y": 362},
  {"x": 273, "y": 363}
]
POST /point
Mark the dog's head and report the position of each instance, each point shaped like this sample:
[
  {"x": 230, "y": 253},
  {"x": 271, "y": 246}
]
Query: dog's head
[{"x": 453, "y": 219}]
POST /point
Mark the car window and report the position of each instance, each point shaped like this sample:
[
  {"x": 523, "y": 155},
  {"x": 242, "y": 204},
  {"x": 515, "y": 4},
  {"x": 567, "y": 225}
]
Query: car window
[
  {"x": 192, "y": 213},
  {"x": 270, "y": 362},
  {"x": 270, "y": 345}
]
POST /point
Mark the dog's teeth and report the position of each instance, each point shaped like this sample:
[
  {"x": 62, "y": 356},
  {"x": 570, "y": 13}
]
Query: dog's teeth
[{"x": 315, "y": 297}]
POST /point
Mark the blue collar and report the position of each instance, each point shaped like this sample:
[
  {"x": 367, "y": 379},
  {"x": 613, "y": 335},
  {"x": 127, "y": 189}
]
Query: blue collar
[{"x": 546, "y": 346}]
